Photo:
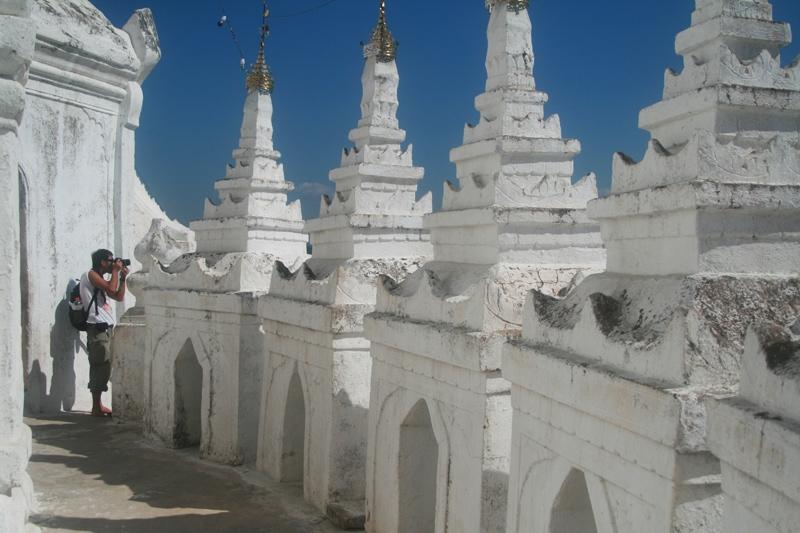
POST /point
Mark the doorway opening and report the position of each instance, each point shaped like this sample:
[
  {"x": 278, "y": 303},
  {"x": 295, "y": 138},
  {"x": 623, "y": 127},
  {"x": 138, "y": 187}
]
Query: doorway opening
[
  {"x": 294, "y": 433},
  {"x": 188, "y": 398},
  {"x": 572, "y": 510},
  {"x": 417, "y": 471}
]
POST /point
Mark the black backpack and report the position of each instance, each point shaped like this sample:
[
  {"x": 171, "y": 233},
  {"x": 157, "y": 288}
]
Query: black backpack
[{"x": 77, "y": 314}]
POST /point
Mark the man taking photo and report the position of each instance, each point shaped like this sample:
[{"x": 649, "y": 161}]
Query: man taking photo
[{"x": 105, "y": 280}]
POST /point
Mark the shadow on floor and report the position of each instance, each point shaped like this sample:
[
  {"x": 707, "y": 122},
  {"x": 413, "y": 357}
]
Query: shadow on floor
[{"x": 92, "y": 474}]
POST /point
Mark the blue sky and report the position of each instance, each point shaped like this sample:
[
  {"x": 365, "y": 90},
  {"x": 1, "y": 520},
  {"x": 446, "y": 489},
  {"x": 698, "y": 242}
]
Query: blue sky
[{"x": 600, "y": 61}]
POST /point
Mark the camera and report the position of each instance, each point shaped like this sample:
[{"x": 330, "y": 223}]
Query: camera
[{"x": 125, "y": 262}]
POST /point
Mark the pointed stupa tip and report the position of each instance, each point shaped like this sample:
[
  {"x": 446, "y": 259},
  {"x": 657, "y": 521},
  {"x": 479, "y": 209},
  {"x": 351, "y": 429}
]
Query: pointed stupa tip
[
  {"x": 260, "y": 78},
  {"x": 513, "y": 5},
  {"x": 382, "y": 45}
]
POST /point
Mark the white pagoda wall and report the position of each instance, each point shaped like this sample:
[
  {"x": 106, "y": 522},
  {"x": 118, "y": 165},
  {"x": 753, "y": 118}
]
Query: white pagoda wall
[
  {"x": 16, "y": 47},
  {"x": 460, "y": 402},
  {"x": 317, "y": 340},
  {"x": 224, "y": 334},
  {"x": 79, "y": 190},
  {"x": 334, "y": 376}
]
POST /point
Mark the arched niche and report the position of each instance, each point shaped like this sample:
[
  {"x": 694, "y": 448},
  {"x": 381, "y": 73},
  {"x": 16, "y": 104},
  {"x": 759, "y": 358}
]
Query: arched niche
[
  {"x": 572, "y": 509},
  {"x": 188, "y": 397},
  {"x": 294, "y": 432},
  {"x": 417, "y": 471}
]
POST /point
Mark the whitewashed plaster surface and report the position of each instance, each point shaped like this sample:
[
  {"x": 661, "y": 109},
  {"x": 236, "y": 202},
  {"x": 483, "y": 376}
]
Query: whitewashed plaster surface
[
  {"x": 221, "y": 334},
  {"x": 313, "y": 316},
  {"x": 440, "y": 412},
  {"x": 83, "y": 101},
  {"x": 17, "y": 35},
  {"x": 610, "y": 382},
  {"x": 756, "y": 435},
  {"x": 204, "y": 347}
]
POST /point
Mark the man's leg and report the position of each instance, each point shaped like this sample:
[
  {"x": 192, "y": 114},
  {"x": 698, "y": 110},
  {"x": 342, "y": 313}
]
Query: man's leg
[{"x": 99, "y": 347}]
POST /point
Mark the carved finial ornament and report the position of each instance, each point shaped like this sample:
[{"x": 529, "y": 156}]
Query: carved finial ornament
[
  {"x": 259, "y": 78},
  {"x": 513, "y": 5},
  {"x": 382, "y": 44}
]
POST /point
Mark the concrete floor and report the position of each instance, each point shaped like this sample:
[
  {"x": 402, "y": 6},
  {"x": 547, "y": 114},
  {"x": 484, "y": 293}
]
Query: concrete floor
[{"x": 93, "y": 474}]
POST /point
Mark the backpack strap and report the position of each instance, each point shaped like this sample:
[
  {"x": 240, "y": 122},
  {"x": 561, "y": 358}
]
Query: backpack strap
[
  {"x": 94, "y": 300},
  {"x": 94, "y": 295}
]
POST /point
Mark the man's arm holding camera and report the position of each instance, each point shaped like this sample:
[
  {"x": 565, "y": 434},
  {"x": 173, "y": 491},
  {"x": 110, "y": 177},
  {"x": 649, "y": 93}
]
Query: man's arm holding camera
[{"x": 114, "y": 287}]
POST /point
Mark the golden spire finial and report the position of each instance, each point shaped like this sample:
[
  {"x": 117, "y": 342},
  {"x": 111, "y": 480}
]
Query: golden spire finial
[
  {"x": 259, "y": 78},
  {"x": 382, "y": 44}
]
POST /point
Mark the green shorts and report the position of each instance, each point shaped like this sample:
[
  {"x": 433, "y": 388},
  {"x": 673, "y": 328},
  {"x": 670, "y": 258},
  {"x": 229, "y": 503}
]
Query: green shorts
[{"x": 98, "y": 346}]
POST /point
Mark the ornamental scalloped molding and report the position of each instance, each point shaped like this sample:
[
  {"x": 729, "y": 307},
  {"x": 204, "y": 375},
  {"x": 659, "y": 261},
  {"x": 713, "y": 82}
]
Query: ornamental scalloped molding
[
  {"x": 303, "y": 283},
  {"x": 231, "y": 207},
  {"x": 659, "y": 329},
  {"x": 340, "y": 282},
  {"x": 509, "y": 125},
  {"x": 342, "y": 202},
  {"x": 520, "y": 189},
  {"x": 771, "y": 368},
  {"x": 590, "y": 324},
  {"x": 346, "y": 203},
  {"x": 552, "y": 191},
  {"x": 423, "y": 297},
  {"x": 213, "y": 273},
  {"x": 248, "y": 161},
  {"x": 491, "y": 299},
  {"x": 764, "y": 71},
  {"x": 385, "y": 154},
  {"x": 759, "y": 159}
]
